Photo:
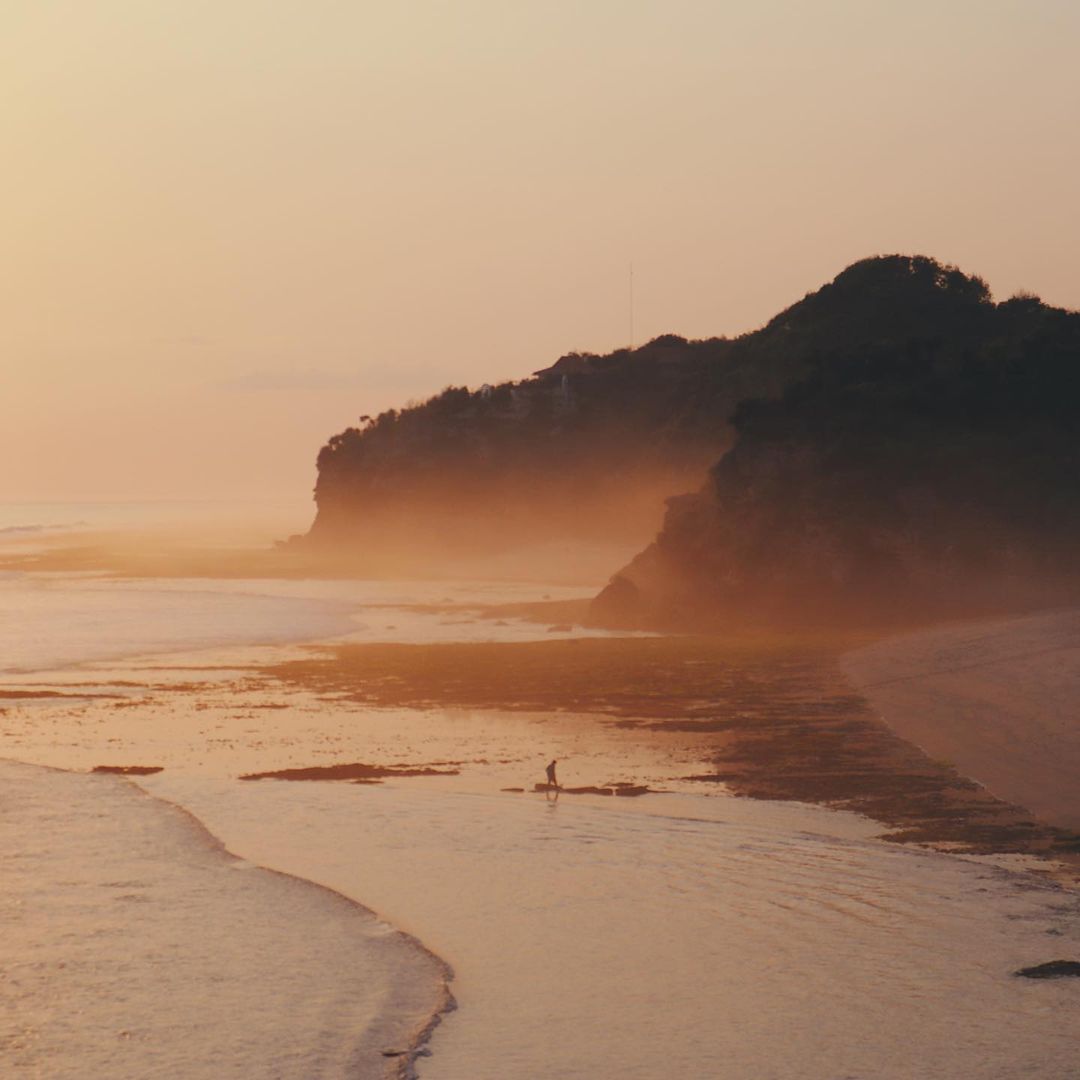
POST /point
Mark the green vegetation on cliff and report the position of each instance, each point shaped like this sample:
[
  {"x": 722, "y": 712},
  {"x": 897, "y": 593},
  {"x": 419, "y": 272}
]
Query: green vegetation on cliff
[
  {"x": 927, "y": 464},
  {"x": 586, "y": 450}
]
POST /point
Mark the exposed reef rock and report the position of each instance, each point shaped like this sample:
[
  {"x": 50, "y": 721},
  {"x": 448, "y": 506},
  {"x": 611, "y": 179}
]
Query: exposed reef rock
[
  {"x": 927, "y": 466},
  {"x": 357, "y": 772},
  {"x": 129, "y": 770},
  {"x": 1053, "y": 969},
  {"x": 627, "y": 790}
]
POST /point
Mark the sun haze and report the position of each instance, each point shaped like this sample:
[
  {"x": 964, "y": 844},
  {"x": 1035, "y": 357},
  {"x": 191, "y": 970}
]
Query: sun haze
[{"x": 232, "y": 228}]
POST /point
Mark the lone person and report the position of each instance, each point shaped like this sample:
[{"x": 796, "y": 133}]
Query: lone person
[{"x": 552, "y": 782}]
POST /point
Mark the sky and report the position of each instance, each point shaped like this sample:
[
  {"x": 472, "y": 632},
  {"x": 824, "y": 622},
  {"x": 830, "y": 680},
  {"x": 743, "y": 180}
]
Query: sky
[{"x": 231, "y": 227}]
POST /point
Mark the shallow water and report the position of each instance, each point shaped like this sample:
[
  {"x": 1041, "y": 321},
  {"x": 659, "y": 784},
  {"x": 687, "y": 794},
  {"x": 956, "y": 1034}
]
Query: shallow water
[
  {"x": 48, "y": 621},
  {"x": 680, "y": 935},
  {"x": 37, "y": 520},
  {"x": 134, "y": 946},
  {"x": 592, "y": 942}
]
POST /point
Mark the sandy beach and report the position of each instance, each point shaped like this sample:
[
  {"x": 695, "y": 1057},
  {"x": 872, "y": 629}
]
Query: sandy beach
[
  {"x": 687, "y": 931},
  {"x": 997, "y": 699}
]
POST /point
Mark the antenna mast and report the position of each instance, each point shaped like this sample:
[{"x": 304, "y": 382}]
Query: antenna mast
[{"x": 631, "y": 303}]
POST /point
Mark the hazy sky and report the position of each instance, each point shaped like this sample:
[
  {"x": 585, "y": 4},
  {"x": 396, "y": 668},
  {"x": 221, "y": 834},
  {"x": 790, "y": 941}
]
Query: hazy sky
[{"x": 232, "y": 226}]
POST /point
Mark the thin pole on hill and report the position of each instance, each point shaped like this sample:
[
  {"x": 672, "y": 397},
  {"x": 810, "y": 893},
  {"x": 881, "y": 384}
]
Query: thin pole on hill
[{"x": 631, "y": 303}]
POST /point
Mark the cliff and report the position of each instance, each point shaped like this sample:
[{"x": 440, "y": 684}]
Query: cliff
[
  {"x": 928, "y": 465},
  {"x": 585, "y": 451}
]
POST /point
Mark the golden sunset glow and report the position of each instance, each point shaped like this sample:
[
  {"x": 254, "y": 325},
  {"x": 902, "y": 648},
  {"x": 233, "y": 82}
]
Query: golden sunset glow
[
  {"x": 539, "y": 540},
  {"x": 231, "y": 228}
]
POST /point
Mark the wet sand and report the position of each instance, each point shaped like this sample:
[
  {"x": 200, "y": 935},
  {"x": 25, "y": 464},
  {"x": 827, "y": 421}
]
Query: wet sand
[
  {"x": 682, "y": 932},
  {"x": 999, "y": 700}
]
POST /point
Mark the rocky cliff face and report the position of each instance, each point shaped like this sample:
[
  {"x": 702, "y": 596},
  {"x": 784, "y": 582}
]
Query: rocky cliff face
[
  {"x": 584, "y": 451},
  {"x": 929, "y": 465}
]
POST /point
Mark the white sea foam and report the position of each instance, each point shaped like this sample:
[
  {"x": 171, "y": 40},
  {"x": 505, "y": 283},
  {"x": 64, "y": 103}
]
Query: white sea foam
[{"x": 135, "y": 947}]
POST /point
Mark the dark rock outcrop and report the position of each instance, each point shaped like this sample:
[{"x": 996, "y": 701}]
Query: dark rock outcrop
[
  {"x": 928, "y": 466},
  {"x": 1053, "y": 969},
  {"x": 357, "y": 772},
  {"x": 583, "y": 451},
  {"x": 129, "y": 770}
]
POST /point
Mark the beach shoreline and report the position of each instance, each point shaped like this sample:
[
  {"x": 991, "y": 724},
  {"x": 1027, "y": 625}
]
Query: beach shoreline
[
  {"x": 439, "y": 732},
  {"x": 997, "y": 698},
  {"x": 399, "y": 1064},
  {"x": 775, "y": 717},
  {"x": 218, "y": 944}
]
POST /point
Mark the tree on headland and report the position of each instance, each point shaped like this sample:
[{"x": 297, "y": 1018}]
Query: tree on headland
[{"x": 929, "y": 463}]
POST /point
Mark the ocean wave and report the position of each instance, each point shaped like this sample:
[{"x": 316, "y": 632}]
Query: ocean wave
[{"x": 222, "y": 976}]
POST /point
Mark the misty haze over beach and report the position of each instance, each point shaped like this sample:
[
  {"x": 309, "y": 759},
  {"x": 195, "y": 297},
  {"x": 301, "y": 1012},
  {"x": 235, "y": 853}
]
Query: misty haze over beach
[
  {"x": 540, "y": 541},
  {"x": 568, "y": 905}
]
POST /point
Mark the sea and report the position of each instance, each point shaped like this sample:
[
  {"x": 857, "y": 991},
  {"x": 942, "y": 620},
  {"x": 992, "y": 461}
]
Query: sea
[{"x": 186, "y": 924}]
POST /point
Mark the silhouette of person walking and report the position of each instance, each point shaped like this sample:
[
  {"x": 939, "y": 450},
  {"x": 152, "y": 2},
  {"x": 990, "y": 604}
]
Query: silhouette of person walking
[{"x": 552, "y": 782}]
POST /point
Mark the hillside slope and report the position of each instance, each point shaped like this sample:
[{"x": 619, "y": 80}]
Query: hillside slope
[
  {"x": 927, "y": 465},
  {"x": 585, "y": 451}
]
